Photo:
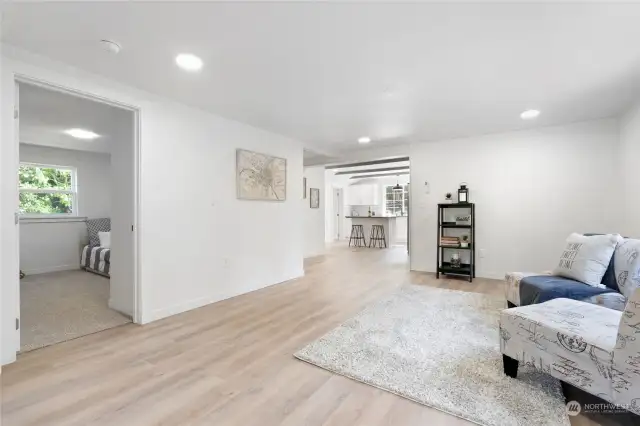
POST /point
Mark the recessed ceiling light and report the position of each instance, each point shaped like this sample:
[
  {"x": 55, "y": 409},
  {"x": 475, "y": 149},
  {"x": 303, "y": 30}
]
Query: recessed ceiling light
[
  {"x": 110, "y": 46},
  {"x": 189, "y": 62},
  {"x": 364, "y": 139},
  {"x": 530, "y": 114},
  {"x": 82, "y": 134}
]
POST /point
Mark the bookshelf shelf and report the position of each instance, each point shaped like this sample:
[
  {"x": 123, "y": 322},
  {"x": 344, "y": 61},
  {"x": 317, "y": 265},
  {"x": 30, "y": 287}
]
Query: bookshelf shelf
[{"x": 445, "y": 267}]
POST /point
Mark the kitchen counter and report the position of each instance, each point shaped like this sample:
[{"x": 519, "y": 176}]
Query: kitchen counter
[{"x": 373, "y": 217}]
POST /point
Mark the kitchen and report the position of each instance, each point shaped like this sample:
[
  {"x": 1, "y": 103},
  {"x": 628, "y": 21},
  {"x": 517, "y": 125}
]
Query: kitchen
[{"x": 369, "y": 195}]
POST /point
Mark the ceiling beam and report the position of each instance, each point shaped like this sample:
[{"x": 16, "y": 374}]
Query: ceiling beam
[
  {"x": 380, "y": 175},
  {"x": 368, "y": 163},
  {"x": 382, "y": 169}
]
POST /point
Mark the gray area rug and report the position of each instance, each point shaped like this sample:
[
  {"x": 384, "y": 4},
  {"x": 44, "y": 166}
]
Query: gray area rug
[
  {"x": 61, "y": 306},
  {"x": 440, "y": 348}
]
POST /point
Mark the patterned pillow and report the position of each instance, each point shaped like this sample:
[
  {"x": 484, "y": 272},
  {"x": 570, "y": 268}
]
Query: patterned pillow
[
  {"x": 627, "y": 266},
  {"x": 97, "y": 225}
]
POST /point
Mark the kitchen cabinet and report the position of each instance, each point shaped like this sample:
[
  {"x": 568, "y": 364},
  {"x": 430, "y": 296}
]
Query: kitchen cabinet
[{"x": 363, "y": 195}]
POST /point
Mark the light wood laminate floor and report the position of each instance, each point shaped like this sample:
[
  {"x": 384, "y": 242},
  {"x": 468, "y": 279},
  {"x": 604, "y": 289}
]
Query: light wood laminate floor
[{"x": 229, "y": 363}]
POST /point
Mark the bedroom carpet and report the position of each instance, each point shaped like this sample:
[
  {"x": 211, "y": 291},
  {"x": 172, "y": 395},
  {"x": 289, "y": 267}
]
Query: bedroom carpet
[
  {"x": 439, "y": 348},
  {"x": 60, "y": 306}
]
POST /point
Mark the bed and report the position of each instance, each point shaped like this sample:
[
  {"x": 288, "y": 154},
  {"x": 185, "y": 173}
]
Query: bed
[{"x": 95, "y": 258}]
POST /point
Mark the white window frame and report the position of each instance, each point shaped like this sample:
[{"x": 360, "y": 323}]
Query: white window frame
[
  {"x": 73, "y": 192},
  {"x": 405, "y": 193}
]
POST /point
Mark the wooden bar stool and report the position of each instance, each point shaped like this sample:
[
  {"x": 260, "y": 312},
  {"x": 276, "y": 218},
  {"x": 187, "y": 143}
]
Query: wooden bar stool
[
  {"x": 377, "y": 237},
  {"x": 357, "y": 236}
]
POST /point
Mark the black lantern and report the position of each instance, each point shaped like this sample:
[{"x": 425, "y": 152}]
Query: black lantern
[{"x": 463, "y": 193}]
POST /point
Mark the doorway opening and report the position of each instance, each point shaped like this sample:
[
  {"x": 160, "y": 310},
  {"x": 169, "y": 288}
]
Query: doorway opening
[
  {"x": 338, "y": 214},
  {"x": 76, "y": 212},
  {"x": 373, "y": 194}
]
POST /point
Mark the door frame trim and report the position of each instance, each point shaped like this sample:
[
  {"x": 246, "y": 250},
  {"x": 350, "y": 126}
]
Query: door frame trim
[{"x": 137, "y": 282}]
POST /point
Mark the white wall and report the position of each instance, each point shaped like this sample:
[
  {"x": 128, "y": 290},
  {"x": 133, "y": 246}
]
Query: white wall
[
  {"x": 314, "y": 226},
  {"x": 630, "y": 173},
  {"x": 329, "y": 221},
  {"x": 51, "y": 246},
  {"x": 197, "y": 242},
  {"x": 531, "y": 189}
]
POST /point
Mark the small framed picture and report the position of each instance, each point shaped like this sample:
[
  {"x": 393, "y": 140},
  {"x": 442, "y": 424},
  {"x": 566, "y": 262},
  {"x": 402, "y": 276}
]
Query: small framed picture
[
  {"x": 304, "y": 188},
  {"x": 314, "y": 198}
]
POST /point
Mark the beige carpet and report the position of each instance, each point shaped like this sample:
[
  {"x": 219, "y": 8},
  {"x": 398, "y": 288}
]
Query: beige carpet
[
  {"x": 61, "y": 306},
  {"x": 440, "y": 348}
]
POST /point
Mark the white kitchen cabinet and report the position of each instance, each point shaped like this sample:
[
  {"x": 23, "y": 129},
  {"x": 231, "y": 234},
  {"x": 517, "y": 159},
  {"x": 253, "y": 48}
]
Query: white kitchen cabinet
[{"x": 363, "y": 195}]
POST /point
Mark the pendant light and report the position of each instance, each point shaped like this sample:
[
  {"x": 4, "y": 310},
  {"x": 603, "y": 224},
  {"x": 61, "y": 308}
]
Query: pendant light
[{"x": 397, "y": 187}]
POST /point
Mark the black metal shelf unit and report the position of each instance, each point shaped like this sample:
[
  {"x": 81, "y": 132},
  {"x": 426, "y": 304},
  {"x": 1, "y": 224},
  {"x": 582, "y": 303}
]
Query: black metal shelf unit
[{"x": 445, "y": 267}]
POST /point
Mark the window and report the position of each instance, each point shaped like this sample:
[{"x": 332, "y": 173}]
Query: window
[
  {"x": 47, "y": 190},
  {"x": 396, "y": 202}
]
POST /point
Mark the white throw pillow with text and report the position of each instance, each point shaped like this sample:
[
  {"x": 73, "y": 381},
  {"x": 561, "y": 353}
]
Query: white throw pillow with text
[{"x": 585, "y": 258}]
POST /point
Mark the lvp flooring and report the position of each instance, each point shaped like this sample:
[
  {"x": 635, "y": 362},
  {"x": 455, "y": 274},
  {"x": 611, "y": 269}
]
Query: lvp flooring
[{"x": 229, "y": 363}]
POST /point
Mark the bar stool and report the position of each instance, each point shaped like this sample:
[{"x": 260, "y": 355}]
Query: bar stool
[
  {"x": 357, "y": 236},
  {"x": 377, "y": 237}
]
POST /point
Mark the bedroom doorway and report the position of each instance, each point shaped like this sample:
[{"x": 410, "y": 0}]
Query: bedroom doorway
[{"x": 76, "y": 214}]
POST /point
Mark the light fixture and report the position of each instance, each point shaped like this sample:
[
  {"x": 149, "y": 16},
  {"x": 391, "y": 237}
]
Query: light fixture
[
  {"x": 530, "y": 114},
  {"x": 82, "y": 134},
  {"x": 110, "y": 46},
  {"x": 364, "y": 139},
  {"x": 397, "y": 187},
  {"x": 189, "y": 62}
]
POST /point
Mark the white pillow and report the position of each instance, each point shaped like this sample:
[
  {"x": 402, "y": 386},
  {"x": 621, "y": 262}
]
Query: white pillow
[
  {"x": 105, "y": 239},
  {"x": 626, "y": 265},
  {"x": 586, "y": 258}
]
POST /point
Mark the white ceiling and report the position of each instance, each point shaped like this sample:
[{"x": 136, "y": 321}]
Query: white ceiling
[
  {"x": 45, "y": 115},
  {"x": 328, "y": 73}
]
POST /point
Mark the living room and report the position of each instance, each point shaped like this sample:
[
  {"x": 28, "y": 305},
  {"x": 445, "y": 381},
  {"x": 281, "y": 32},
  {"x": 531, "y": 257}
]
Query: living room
[{"x": 527, "y": 114}]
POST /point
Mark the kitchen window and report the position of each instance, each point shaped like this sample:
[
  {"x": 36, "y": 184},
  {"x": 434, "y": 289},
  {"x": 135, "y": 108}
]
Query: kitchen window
[
  {"x": 396, "y": 202},
  {"x": 47, "y": 190}
]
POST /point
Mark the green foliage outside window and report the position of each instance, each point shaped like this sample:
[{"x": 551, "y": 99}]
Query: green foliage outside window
[{"x": 45, "y": 190}]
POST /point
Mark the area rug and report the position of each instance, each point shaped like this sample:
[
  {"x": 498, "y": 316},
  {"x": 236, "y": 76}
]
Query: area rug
[{"x": 440, "y": 348}]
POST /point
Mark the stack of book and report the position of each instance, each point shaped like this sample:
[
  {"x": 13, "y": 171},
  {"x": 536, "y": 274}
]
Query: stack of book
[{"x": 450, "y": 241}]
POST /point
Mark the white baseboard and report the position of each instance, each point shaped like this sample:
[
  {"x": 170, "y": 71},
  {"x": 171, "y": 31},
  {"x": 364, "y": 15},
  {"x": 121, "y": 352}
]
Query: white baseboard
[
  {"x": 179, "y": 308},
  {"x": 50, "y": 269}
]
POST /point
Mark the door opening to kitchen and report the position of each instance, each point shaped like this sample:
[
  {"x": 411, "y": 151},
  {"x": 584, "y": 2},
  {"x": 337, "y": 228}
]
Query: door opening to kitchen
[{"x": 370, "y": 203}]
